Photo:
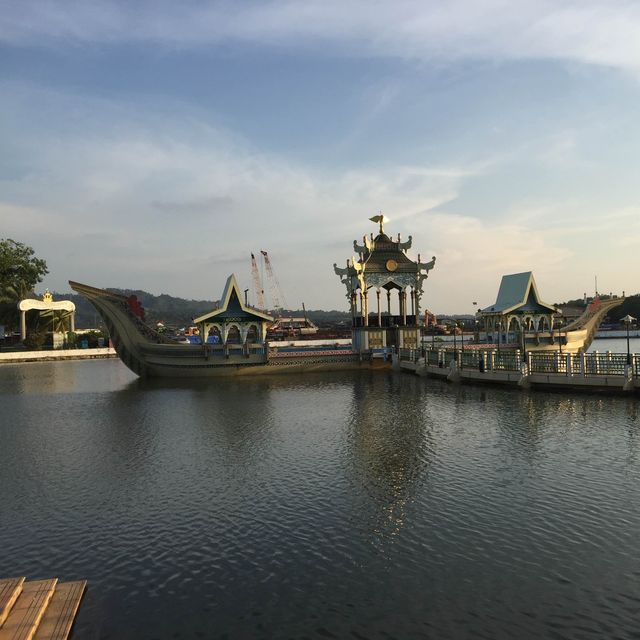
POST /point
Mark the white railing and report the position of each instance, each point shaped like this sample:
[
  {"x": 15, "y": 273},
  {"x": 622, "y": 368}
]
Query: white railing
[{"x": 545, "y": 362}]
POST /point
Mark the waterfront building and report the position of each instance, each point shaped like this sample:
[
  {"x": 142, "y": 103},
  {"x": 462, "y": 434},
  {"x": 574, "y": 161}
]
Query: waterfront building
[
  {"x": 517, "y": 309},
  {"x": 383, "y": 269}
]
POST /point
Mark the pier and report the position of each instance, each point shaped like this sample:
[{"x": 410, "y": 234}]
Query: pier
[
  {"x": 38, "y": 609},
  {"x": 611, "y": 372}
]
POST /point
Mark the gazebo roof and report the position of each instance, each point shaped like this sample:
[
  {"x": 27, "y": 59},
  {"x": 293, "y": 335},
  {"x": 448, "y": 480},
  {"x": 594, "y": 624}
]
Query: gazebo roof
[
  {"x": 518, "y": 293},
  {"x": 232, "y": 308}
]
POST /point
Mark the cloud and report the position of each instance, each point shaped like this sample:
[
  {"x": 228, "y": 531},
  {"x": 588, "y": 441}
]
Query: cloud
[
  {"x": 218, "y": 205},
  {"x": 174, "y": 204},
  {"x": 591, "y": 31}
]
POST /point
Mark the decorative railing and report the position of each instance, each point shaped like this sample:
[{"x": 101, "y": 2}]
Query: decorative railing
[{"x": 542, "y": 362}]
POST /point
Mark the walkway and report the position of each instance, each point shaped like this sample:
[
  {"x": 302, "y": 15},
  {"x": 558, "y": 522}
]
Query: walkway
[{"x": 612, "y": 372}]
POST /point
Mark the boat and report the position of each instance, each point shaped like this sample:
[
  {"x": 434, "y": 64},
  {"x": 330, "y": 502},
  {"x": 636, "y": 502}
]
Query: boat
[{"x": 242, "y": 348}]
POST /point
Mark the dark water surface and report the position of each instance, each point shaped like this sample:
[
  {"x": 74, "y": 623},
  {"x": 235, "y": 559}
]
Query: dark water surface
[{"x": 339, "y": 505}]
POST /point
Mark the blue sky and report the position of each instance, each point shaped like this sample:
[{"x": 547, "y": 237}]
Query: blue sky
[{"x": 155, "y": 145}]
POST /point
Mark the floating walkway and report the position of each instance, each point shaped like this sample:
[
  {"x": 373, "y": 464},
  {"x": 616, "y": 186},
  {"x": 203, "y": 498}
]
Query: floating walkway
[
  {"x": 609, "y": 372},
  {"x": 39, "y": 609}
]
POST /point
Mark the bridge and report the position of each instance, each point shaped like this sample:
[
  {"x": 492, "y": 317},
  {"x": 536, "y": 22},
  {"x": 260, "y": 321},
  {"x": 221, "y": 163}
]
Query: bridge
[{"x": 591, "y": 319}]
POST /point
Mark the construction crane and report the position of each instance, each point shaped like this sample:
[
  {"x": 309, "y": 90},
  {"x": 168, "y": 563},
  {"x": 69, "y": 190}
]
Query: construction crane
[
  {"x": 277, "y": 297},
  {"x": 257, "y": 283}
]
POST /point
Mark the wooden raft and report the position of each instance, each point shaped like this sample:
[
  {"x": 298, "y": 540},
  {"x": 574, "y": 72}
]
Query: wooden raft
[{"x": 38, "y": 610}]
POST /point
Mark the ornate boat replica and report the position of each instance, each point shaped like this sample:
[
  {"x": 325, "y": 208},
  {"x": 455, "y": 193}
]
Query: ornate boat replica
[{"x": 242, "y": 347}]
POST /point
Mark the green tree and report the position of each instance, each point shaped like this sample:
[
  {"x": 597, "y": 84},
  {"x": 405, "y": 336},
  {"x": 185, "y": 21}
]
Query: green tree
[{"x": 20, "y": 270}]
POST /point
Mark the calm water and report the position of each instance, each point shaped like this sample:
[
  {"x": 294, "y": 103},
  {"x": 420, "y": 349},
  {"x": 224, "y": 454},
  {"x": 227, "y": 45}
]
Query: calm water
[
  {"x": 321, "y": 506},
  {"x": 615, "y": 345}
]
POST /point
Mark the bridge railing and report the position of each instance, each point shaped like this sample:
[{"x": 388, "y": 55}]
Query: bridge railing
[{"x": 545, "y": 362}]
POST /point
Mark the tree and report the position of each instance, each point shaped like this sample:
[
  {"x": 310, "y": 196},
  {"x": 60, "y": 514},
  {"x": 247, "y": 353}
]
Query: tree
[{"x": 20, "y": 270}]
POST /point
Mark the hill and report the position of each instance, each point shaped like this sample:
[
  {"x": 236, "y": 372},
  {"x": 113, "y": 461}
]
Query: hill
[{"x": 175, "y": 312}]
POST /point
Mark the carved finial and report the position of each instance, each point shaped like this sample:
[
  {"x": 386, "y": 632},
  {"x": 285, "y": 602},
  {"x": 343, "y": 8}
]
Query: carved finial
[{"x": 381, "y": 220}]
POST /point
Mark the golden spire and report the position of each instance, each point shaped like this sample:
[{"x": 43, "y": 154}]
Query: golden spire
[{"x": 380, "y": 219}]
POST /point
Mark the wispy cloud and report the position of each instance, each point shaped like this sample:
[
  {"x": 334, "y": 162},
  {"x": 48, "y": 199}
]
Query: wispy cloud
[
  {"x": 133, "y": 202},
  {"x": 602, "y": 32}
]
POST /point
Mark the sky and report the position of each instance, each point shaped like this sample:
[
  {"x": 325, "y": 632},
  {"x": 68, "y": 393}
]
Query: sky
[{"x": 155, "y": 144}]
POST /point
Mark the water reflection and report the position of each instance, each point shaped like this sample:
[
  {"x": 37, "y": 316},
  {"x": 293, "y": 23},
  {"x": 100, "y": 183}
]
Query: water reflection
[
  {"x": 390, "y": 448},
  {"x": 330, "y": 505}
]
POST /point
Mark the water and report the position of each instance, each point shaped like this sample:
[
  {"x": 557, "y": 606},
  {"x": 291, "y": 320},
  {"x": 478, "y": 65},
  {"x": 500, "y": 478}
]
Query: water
[
  {"x": 345, "y": 505},
  {"x": 615, "y": 345}
]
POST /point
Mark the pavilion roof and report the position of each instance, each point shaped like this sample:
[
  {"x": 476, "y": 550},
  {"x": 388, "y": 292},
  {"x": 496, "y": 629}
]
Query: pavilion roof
[
  {"x": 232, "y": 308},
  {"x": 518, "y": 293}
]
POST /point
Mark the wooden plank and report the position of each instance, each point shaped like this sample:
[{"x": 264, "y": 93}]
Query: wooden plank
[
  {"x": 10, "y": 589},
  {"x": 22, "y": 622},
  {"x": 58, "y": 618}
]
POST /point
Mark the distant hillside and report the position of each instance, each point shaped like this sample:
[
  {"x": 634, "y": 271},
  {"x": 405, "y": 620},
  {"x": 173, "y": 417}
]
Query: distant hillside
[
  {"x": 174, "y": 312},
  {"x": 164, "y": 308}
]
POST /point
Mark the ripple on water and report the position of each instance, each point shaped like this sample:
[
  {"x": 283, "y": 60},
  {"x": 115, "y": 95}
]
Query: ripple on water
[{"x": 363, "y": 506}]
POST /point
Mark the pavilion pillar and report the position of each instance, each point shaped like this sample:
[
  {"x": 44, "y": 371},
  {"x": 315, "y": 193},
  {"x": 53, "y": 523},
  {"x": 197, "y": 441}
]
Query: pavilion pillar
[
  {"x": 389, "y": 302},
  {"x": 365, "y": 310},
  {"x": 23, "y": 325},
  {"x": 404, "y": 307},
  {"x": 73, "y": 321},
  {"x": 361, "y": 306},
  {"x": 379, "y": 311}
]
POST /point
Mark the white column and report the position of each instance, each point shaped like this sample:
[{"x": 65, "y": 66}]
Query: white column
[
  {"x": 404, "y": 308},
  {"x": 23, "y": 325},
  {"x": 365, "y": 308}
]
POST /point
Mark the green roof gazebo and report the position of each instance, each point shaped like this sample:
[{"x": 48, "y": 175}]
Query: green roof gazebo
[{"x": 517, "y": 309}]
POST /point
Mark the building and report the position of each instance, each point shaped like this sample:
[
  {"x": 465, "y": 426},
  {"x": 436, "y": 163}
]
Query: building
[
  {"x": 384, "y": 290},
  {"x": 517, "y": 309}
]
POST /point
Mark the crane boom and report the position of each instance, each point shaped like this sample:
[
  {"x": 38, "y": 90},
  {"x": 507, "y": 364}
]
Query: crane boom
[
  {"x": 257, "y": 284},
  {"x": 277, "y": 296}
]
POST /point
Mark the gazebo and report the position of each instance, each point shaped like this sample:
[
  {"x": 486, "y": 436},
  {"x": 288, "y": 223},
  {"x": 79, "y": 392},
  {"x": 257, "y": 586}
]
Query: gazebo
[
  {"x": 235, "y": 324},
  {"x": 62, "y": 309},
  {"x": 517, "y": 309},
  {"x": 383, "y": 267}
]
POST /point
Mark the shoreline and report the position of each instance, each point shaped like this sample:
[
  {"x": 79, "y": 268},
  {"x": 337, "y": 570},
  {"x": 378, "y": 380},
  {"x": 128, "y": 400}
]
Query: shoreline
[{"x": 13, "y": 357}]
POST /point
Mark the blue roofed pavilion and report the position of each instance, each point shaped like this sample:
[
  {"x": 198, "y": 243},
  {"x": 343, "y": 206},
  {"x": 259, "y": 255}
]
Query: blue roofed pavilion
[{"x": 517, "y": 308}]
